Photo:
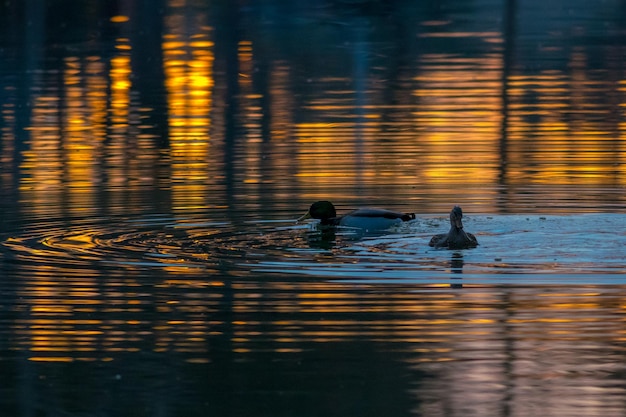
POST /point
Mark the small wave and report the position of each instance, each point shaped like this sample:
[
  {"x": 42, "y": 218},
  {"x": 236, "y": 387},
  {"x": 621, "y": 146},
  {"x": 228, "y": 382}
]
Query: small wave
[{"x": 510, "y": 246}]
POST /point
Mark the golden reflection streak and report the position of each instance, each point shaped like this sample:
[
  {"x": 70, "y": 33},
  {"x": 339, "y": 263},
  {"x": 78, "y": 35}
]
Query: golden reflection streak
[
  {"x": 51, "y": 359},
  {"x": 560, "y": 147},
  {"x": 453, "y": 133},
  {"x": 550, "y": 312},
  {"x": 188, "y": 53},
  {"x": 461, "y": 124},
  {"x": 119, "y": 19},
  {"x": 252, "y": 150},
  {"x": 485, "y": 35},
  {"x": 118, "y": 150},
  {"x": 458, "y": 129},
  {"x": 78, "y": 150},
  {"x": 442, "y": 321},
  {"x": 67, "y": 134}
]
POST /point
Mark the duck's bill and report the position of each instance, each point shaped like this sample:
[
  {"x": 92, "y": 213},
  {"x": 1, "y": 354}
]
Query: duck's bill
[
  {"x": 306, "y": 216},
  {"x": 458, "y": 223}
]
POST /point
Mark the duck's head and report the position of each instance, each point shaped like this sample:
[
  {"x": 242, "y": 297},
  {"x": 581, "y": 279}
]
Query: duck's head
[
  {"x": 322, "y": 210},
  {"x": 455, "y": 218}
]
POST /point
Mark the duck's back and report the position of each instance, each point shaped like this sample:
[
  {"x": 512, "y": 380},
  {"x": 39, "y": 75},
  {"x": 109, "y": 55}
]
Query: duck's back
[
  {"x": 378, "y": 212},
  {"x": 439, "y": 241},
  {"x": 461, "y": 240},
  {"x": 374, "y": 218}
]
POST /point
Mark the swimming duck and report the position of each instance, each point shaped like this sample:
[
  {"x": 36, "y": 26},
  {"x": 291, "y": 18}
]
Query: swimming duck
[
  {"x": 456, "y": 238},
  {"x": 370, "y": 219}
]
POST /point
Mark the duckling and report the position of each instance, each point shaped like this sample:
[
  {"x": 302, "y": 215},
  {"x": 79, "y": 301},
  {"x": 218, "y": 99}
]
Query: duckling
[
  {"x": 456, "y": 238},
  {"x": 370, "y": 219}
]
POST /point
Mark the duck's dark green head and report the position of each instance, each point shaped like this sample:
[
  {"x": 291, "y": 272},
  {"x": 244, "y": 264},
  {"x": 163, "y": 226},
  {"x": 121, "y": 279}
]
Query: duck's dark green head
[
  {"x": 322, "y": 210},
  {"x": 455, "y": 217}
]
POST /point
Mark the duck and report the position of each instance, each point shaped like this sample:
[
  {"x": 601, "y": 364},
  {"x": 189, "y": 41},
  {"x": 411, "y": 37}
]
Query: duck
[
  {"x": 370, "y": 219},
  {"x": 456, "y": 238}
]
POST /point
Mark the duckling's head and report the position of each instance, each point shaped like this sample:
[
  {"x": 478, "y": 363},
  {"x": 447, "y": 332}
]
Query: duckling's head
[{"x": 455, "y": 218}]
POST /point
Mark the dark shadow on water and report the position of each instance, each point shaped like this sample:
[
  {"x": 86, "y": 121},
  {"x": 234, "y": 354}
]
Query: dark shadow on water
[
  {"x": 148, "y": 67},
  {"x": 327, "y": 237},
  {"x": 456, "y": 267},
  {"x": 363, "y": 381},
  {"x": 227, "y": 31},
  {"x": 508, "y": 56},
  {"x": 321, "y": 238}
]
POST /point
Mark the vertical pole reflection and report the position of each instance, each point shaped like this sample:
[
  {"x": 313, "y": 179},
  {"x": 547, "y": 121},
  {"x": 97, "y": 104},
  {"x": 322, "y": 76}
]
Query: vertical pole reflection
[
  {"x": 360, "y": 88},
  {"x": 510, "y": 9},
  {"x": 30, "y": 56},
  {"x": 16, "y": 95},
  {"x": 147, "y": 66},
  {"x": 227, "y": 53},
  {"x": 228, "y": 32}
]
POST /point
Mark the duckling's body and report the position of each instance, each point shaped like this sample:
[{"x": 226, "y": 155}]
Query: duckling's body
[
  {"x": 370, "y": 219},
  {"x": 456, "y": 238}
]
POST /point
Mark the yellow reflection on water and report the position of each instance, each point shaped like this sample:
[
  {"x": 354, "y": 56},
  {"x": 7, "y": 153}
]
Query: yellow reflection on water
[
  {"x": 188, "y": 53},
  {"x": 565, "y": 134},
  {"x": 67, "y": 132},
  {"x": 120, "y": 99},
  {"x": 453, "y": 127},
  {"x": 459, "y": 120},
  {"x": 119, "y": 19},
  {"x": 443, "y": 144},
  {"x": 78, "y": 147}
]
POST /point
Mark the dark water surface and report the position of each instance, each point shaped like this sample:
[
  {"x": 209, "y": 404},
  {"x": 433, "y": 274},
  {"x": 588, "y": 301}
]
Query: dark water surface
[{"x": 154, "y": 156}]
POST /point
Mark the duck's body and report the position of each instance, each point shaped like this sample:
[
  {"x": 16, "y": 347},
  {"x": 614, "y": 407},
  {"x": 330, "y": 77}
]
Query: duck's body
[
  {"x": 456, "y": 238},
  {"x": 370, "y": 219}
]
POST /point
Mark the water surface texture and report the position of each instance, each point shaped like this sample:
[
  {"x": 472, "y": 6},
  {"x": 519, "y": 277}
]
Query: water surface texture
[{"x": 155, "y": 155}]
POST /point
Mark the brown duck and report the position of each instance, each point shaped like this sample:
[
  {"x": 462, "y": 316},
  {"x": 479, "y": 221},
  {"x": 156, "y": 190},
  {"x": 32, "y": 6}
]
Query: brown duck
[{"x": 456, "y": 238}]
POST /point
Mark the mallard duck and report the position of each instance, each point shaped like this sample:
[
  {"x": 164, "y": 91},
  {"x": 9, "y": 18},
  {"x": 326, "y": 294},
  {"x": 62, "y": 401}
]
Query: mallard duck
[
  {"x": 364, "y": 218},
  {"x": 456, "y": 238}
]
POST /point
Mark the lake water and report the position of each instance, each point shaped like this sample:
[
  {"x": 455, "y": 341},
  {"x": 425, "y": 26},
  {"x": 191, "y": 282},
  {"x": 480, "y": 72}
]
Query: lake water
[{"x": 155, "y": 155}]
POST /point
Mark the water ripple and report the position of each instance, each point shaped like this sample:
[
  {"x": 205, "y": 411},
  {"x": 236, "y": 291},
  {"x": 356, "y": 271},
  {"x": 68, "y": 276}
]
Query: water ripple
[{"x": 511, "y": 247}]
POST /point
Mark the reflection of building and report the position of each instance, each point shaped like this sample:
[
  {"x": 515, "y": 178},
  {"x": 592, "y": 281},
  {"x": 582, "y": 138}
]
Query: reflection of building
[
  {"x": 545, "y": 352},
  {"x": 256, "y": 111},
  {"x": 260, "y": 113}
]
